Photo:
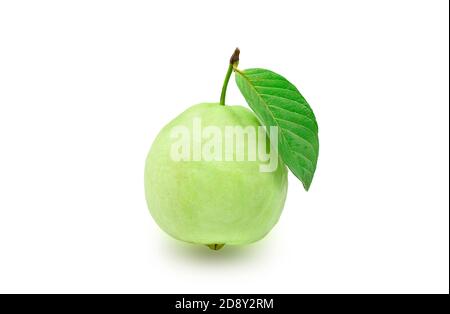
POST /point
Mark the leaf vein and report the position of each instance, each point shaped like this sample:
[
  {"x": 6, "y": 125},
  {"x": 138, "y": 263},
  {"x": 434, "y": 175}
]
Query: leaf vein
[{"x": 294, "y": 112}]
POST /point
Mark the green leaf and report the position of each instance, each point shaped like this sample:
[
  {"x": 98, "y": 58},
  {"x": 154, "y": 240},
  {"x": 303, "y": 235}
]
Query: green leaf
[{"x": 277, "y": 102}]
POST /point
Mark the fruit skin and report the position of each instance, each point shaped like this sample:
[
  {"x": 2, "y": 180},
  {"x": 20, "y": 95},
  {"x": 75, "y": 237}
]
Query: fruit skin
[{"x": 212, "y": 202}]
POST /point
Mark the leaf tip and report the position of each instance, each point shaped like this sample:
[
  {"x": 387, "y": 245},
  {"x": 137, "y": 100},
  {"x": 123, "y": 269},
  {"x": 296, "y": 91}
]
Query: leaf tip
[{"x": 306, "y": 186}]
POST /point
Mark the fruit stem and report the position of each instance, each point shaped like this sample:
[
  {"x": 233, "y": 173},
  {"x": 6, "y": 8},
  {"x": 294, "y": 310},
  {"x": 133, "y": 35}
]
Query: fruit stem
[{"x": 234, "y": 60}]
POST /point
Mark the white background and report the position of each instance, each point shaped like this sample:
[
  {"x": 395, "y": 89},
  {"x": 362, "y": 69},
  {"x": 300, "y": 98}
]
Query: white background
[{"x": 85, "y": 86}]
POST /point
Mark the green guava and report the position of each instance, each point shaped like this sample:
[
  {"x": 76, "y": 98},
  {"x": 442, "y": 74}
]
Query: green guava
[{"x": 214, "y": 202}]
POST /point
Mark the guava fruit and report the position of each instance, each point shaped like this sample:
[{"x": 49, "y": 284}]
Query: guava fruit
[{"x": 212, "y": 202}]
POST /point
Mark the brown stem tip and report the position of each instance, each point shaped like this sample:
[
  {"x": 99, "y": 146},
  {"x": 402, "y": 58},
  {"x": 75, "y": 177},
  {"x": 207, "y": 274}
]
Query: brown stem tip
[{"x": 235, "y": 57}]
